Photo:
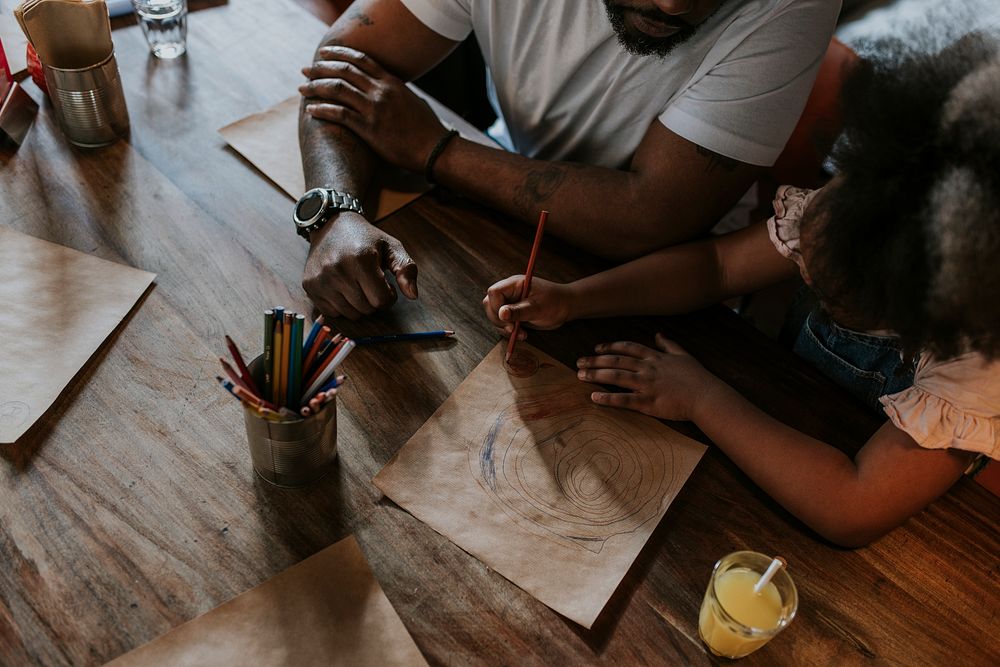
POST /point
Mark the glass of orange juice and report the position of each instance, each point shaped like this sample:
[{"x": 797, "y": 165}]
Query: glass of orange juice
[{"x": 734, "y": 620}]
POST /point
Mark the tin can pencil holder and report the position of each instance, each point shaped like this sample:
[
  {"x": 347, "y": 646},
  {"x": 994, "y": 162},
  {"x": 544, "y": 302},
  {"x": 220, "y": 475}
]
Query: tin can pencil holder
[
  {"x": 295, "y": 452},
  {"x": 89, "y": 102}
]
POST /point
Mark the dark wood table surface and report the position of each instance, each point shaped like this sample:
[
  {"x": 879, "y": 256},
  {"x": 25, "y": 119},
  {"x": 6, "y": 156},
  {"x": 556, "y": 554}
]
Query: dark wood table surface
[{"x": 131, "y": 507}]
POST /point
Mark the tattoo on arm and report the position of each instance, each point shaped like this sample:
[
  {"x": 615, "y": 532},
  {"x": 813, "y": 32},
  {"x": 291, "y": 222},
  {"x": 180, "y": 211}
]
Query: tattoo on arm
[
  {"x": 359, "y": 17},
  {"x": 538, "y": 186},
  {"x": 716, "y": 160}
]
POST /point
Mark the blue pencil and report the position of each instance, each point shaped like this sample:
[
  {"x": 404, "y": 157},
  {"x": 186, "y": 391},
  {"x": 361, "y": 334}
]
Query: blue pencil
[
  {"x": 313, "y": 332},
  {"x": 395, "y": 338},
  {"x": 332, "y": 384},
  {"x": 228, "y": 386}
]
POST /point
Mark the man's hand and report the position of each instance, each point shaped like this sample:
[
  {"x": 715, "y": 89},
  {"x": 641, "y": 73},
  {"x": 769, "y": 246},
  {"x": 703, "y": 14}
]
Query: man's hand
[
  {"x": 345, "y": 272},
  {"x": 547, "y": 306},
  {"x": 668, "y": 383},
  {"x": 349, "y": 88}
]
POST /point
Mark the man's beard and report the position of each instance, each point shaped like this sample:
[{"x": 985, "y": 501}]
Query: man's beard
[{"x": 640, "y": 44}]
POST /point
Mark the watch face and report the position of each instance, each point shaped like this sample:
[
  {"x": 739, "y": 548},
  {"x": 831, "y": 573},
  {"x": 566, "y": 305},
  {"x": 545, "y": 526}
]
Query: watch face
[{"x": 309, "y": 206}]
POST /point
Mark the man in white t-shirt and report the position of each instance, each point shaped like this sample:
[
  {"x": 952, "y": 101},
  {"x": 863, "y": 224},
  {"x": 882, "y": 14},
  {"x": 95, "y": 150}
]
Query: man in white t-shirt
[{"x": 636, "y": 123}]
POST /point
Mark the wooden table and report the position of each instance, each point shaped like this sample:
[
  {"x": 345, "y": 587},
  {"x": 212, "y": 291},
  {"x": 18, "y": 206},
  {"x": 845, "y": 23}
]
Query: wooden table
[{"x": 132, "y": 507}]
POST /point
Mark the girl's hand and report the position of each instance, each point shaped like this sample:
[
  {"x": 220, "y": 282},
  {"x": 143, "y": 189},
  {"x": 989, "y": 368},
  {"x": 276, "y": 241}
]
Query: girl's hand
[
  {"x": 669, "y": 383},
  {"x": 547, "y": 306}
]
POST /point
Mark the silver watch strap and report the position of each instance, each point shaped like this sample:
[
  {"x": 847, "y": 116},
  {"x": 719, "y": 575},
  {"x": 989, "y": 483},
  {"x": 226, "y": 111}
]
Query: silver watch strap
[{"x": 345, "y": 202}]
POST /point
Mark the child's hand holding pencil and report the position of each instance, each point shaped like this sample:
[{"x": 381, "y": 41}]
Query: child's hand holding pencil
[{"x": 548, "y": 305}]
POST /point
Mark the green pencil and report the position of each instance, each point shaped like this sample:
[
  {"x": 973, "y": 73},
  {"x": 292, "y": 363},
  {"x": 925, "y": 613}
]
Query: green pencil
[
  {"x": 295, "y": 361},
  {"x": 268, "y": 360}
]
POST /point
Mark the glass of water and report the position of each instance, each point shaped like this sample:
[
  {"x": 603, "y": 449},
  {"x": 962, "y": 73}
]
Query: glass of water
[{"x": 164, "y": 23}]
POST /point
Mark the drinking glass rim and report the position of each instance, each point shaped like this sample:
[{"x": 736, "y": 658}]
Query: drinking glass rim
[{"x": 754, "y": 631}]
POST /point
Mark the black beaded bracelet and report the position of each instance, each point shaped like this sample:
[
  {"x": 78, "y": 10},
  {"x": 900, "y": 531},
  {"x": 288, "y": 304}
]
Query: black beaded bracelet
[{"x": 436, "y": 152}]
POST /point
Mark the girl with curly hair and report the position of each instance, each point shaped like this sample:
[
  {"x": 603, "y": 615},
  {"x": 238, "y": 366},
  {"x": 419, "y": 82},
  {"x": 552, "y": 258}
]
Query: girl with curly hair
[{"x": 901, "y": 250}]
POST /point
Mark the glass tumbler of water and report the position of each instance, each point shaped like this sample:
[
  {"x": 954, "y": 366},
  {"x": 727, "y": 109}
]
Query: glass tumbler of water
[{"x": 164, "y": 23}]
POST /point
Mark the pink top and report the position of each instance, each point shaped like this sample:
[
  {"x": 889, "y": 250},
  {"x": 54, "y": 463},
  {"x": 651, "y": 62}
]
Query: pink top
[{"x": 952, "y": 403}]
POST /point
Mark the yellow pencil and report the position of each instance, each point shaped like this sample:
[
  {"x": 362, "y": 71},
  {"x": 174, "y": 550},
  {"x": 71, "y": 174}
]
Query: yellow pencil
[{"x": 278, "y": 333}]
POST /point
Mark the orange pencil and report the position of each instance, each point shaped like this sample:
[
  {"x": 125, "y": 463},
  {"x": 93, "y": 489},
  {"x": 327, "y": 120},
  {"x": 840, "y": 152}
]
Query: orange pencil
[
  {"x": 286, "y": 346},
  {"x": 321, "y": 337},
  {"x": 526, "y": 287},
  {"x": 322, "y": 365}
]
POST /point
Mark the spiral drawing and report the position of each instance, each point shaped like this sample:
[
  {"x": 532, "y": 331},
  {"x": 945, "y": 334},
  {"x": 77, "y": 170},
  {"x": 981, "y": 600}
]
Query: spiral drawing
[{"x": 553, "y": 459}]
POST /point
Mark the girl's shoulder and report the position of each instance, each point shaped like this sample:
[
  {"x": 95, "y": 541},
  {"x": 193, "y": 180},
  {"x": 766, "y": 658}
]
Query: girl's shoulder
[{"x": 952, "y": 403}]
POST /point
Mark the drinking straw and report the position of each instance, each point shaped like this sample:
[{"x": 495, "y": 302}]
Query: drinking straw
[
  {"x": 769, "y": 573},
  {"x": 526, "y": 287}
]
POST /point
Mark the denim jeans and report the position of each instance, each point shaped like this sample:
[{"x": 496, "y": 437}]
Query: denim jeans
[{"x": 866, "y": 365}]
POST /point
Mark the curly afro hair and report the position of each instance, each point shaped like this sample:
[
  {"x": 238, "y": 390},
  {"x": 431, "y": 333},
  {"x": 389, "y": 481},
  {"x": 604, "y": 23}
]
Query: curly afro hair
[{"x": 910, "y": 234}]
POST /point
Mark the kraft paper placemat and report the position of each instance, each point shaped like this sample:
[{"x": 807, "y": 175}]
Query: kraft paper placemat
[
  {"x": 528, "y": 475},
  {"x": 326, "y": 610},
  {"x": 270, "y": 141},
  {"x": 57, "y": 306}
]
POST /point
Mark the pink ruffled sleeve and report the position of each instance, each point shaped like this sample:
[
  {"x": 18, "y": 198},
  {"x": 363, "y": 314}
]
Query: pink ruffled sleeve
[
  {"x": 952, "y": 404},
  {"x": 789, "y": 204}
]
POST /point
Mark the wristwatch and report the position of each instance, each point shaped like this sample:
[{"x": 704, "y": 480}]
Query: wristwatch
[{"x": 318, "y": 205}]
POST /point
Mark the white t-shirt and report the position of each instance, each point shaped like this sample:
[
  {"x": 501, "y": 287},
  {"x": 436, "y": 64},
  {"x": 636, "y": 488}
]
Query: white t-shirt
[{"x": 565, "y": 89}]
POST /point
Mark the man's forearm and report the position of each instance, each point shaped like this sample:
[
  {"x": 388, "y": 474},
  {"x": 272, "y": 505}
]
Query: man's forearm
[
  {"x": 333, "y": 156},
  {"x": 614, "y": 213}
]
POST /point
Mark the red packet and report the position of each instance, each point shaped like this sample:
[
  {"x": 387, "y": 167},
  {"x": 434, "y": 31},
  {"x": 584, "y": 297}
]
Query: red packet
[
  {"x": 5, "y": 78},
  {"x": 35, "y": 69}
]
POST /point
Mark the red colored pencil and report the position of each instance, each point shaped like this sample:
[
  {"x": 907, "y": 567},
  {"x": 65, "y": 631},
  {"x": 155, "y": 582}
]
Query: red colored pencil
[
  {"x": 326, "y": 360},
  {"x": 233, "y": 375},
  {"x": 526, "y": 287},
  {"x": 246, "y": 391},
  {"x": 240, "y": 364},
  {"x": 321, "y": 337}
]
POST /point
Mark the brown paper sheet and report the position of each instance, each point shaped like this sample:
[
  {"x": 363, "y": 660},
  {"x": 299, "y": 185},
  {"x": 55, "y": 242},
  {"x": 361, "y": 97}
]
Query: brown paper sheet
[
  {"x": 58, "y": 306},
  {"x": 68, "y": 34},
  {"x": 525, "y": 473},
  {"x": 326, "y": 610},
  {"x": 270, "y": 141}
]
